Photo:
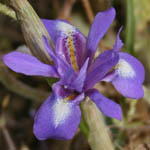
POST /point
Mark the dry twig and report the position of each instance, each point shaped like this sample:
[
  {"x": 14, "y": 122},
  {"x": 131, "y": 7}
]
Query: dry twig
[
  {"x": 66, "y": 9},
  {"x": 88, "y": 10}
]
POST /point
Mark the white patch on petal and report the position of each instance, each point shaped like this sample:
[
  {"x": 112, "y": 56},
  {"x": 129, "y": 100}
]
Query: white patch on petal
[
  {"x": 61, "y": 111},
  {"x": 124, "y": 69},
  {"x": 65, "y": 28}
]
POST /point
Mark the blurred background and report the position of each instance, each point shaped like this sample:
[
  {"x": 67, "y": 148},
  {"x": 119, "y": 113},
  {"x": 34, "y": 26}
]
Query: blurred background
[{"x": 21, "y": 96}]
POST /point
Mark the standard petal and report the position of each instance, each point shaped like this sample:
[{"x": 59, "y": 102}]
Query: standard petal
[
  {"x": 28, "y": 65},
  {"x": 57, "y": 118},
  {"x": 101, "y": 23},
  {"x": 118, "y": 43},
  {"x": 107, "y": 106},
  {"x": 101, "y": 66},
  {"x": 129, "y": 76}
]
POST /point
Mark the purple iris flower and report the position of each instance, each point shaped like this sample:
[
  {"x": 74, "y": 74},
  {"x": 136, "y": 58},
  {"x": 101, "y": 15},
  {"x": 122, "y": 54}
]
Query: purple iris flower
[{"x": 78, "y": 71}]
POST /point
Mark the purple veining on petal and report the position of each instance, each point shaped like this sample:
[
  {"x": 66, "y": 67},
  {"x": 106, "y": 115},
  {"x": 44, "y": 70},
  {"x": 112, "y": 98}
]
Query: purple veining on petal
[
  {"x": 72, "y": 48},
  {"x": 75, "y": 52},
  {"x": 62, "y": 49},
  {"x": 79, "y": 42}
]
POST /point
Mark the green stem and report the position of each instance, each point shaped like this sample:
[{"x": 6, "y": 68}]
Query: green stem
[
  {"x": 94, "y": 128},
  {"x": 130, "y": 27},
  {"x": 83, "y": 127}
]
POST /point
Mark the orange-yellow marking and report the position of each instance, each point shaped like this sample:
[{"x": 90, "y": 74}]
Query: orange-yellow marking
[
  {"x": 72, "y": 53},
  {"x": 70, "y": 97},
  {"x": 113, "y": 68}
]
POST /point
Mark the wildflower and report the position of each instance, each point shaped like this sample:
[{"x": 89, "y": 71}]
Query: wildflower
[{"x": 78, "y": 71}]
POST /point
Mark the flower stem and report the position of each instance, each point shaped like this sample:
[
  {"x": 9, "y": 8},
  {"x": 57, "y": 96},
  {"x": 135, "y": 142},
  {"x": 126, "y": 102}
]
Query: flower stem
[
  {"x": 88, "y": 10},
  {"x": 84, "y": 128},
  {"x": 94, "y": 127},
  {"x": 130, "y": 27},
  {"x": 66, "y": 9}
]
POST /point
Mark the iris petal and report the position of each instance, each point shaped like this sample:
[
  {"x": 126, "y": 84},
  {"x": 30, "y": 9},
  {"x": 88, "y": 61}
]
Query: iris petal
[
  {"x": 72, "y": 48},
  {"x": 118, "y": 43},
  {"x": 49, "y": 50},
  {"x": 57, "y": 28},
  {"x": 107, "y": 106},
  {"x": 57, "y": 118},
  {"x": 100, "y": 25},
  {"x": 101, "y": 66},
  {"x": 128, "y": 76},
  {"x": 28, "y": 65},
  {"x": 78, "y": 82}
]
